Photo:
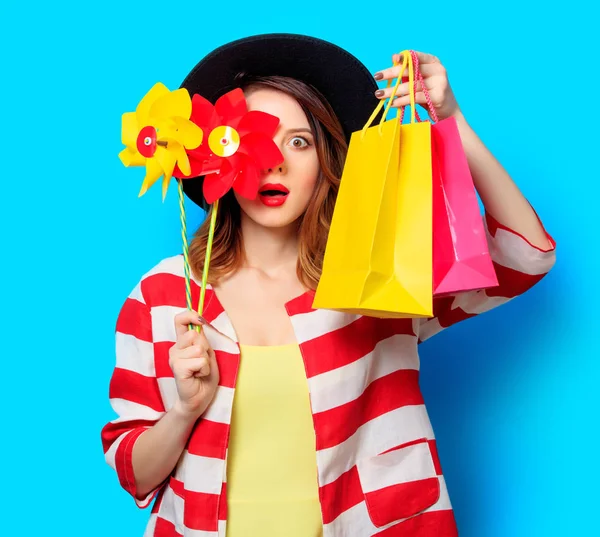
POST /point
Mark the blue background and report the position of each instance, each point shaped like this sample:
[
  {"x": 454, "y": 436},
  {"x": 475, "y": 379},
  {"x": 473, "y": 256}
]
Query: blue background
[{"x": 513, "y": 394}]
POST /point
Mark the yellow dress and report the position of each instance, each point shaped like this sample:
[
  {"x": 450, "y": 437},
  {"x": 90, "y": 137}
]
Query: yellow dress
[{"x": 272, "y": 487}]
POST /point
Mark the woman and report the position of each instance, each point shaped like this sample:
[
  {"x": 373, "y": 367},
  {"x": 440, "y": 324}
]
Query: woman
[{"x": 246, "y": 465}]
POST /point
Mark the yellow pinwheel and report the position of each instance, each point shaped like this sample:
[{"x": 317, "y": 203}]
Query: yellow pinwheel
[{"x": 157, "y": 135}]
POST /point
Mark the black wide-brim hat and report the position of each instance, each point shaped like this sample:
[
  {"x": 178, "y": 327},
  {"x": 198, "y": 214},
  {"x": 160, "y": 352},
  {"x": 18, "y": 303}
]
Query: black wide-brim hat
[{"x": 341, "y": 78}]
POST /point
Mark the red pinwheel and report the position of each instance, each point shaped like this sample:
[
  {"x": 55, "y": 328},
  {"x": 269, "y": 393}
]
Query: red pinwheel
[{"x": 237, "y": 144}]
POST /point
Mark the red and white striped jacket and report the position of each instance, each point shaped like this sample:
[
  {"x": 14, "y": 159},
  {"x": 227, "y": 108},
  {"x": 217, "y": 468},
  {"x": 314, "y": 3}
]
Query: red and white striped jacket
[{"x": 378, "y": 467}]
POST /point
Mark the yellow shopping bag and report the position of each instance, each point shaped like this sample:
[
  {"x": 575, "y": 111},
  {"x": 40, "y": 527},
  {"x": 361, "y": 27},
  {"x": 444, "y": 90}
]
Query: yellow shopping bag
[{"x": 378, "y": 259}]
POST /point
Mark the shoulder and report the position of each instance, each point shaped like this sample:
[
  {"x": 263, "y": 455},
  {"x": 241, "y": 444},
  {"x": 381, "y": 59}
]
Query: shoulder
[
  {"x": 169, "y": 265},
  {"x": 157, "y": 285}
]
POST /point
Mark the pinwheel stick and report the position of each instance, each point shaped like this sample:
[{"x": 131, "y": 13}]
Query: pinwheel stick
[
  {"x": 211, "y": 234},
  {"x": 186, "y": 259}
]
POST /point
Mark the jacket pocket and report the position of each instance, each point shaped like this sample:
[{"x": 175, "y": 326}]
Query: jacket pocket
[{"x": 399, "y": 483}]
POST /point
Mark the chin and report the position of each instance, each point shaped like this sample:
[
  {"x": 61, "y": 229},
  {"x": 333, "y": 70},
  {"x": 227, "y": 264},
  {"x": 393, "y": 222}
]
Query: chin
[{"x": 271, "y": 217}]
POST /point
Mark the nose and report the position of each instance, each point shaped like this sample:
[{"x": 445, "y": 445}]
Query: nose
[{"x": 281, "y": 169}]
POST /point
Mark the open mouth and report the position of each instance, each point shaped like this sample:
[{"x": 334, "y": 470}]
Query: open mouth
[{"x": 273, "y": 195}]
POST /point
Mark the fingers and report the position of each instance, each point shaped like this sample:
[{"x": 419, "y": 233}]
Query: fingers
[
  {"x": 192, "y": 337},
  {"x": 192, "y": 353},
  {"x": 184, "y": 319},
  {"x": 191, "y": 346},
  {"x": 425, "y": 58},
  {"x": 390, "y": 73},
  {"x": 427, "y": 68},
  {"x": 403, "y": 89},
  {"x": 405, "y": 100},
  {"x": 192, "y": 367},
  {"x": 195, "y": 351},
  {"x": 431, "y": 69}
]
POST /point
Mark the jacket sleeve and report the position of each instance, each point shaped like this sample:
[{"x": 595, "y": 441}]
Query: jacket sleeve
[
  {"x": 519, "y": 266},
  {"x": 133, "y": 391}
]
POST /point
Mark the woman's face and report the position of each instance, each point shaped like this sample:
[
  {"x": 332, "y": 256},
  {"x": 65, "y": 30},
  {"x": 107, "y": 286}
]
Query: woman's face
[{"x": 294, "y": 179}]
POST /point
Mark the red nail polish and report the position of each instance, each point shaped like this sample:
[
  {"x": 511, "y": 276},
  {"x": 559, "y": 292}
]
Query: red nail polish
[{"x": 378, "y": 76}]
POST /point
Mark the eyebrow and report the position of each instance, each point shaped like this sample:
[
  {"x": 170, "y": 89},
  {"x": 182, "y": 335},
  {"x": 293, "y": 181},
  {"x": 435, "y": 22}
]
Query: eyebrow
[{"x": 299, "y": 129}]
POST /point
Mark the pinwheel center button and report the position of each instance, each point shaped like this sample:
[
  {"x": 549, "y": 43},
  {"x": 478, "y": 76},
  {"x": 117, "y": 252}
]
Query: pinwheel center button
[
  {"x": 224, "y": 141},
  {"x": 146, "y": 141}
]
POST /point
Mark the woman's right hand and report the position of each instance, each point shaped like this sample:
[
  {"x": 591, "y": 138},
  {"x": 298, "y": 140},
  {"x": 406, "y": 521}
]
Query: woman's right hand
[{"x": 194, "y": 366}]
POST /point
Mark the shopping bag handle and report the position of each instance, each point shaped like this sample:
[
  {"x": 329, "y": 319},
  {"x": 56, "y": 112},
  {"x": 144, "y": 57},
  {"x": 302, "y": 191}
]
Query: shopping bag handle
[
  {"x": 406, "y": 62},
  {"x": 419, "y": 78}
]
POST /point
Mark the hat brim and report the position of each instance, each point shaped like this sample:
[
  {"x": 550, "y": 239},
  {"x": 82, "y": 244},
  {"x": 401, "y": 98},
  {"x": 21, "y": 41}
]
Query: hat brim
[{"x": 343, "y": 80}]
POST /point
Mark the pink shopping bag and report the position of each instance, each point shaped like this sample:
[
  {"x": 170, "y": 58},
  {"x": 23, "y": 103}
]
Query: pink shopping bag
[{"x": 461, "y": 257}]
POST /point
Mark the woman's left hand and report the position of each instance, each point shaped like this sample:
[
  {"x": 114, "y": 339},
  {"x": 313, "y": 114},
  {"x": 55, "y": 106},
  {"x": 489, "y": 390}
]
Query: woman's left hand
[{"x": 436, "y": 82}]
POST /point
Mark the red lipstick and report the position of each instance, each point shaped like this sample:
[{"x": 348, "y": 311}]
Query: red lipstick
[{"x": 273, "y": 194}]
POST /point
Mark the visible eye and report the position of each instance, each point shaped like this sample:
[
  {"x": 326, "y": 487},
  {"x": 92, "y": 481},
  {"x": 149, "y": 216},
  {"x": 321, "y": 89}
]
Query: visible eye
[{"x": 299, "y": 142}]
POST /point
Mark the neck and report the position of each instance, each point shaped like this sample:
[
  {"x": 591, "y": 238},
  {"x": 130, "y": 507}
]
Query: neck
[{"x": 273, "y": 251}]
